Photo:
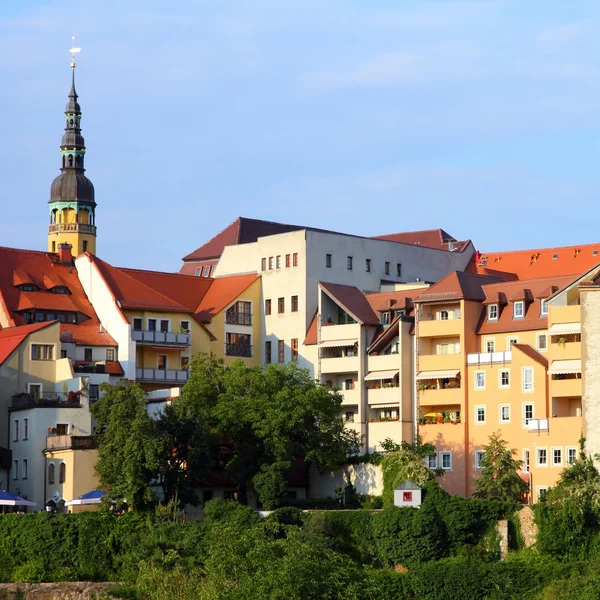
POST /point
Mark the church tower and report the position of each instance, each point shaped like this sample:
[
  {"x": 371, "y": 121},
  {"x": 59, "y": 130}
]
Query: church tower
[{"x": 72, "y": 204}]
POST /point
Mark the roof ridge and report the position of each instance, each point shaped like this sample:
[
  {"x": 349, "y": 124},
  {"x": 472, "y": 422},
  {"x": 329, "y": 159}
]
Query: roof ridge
[
  {"x": 596, "y": 244},
  {"x": 45, "y": 252},
  {"x": 183, "y": 275},
  {"x": 536, "y": 279}
]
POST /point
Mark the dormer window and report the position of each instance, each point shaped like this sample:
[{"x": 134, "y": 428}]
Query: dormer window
[
  {"x": 28, "y": 287},
  {"x": 493, "y": 312},
  {"x": 519, "y": 310},
  {"x": 60, "y": 289},
  {"x": 543, "y": 307},
  {"x": 385, "y": 318}
]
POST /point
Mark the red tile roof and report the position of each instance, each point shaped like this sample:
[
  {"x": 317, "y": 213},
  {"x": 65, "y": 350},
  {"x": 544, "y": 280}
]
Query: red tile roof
[
  {"x": 396, "y": 300},
  {"x": 114, "y": 367},
  {"x": 353, "y": 301},
  {"x": 44, "y": 270},
  {"x": 430, "y": 238},
  {"x": 223, "y": 291},
  {"x": 457, "y": 285},
  {"x": 11, "y": 337},
  {"x": 544, "y": 262}
]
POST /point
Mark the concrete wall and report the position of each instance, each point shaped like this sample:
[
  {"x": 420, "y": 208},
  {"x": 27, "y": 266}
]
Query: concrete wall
[
  {"x": 590, "y": 363},
  {"x": 366, "y": 478}
]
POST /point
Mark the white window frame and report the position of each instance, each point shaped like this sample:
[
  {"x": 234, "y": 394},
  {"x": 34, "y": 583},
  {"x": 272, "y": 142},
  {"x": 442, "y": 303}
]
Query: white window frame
[
  {"x": 537, "y": 338},
  {"x": 188, "y": 328},
  {"x": 477, "y": 421},
  {"x": 568, "y": 451},
  {"x": 278, "y": 261},
  {"x": 490, "y": 311},
  {"x": 501, "y": 385},
  {"x": 537, "y": 457},
  {"x": 54, "y": 357},
  {"x": 524, "y": 389},
  {"x": 500, "y": 417},
  {"x": 543, "y": 307},
  {"x": 29, "y": 386},
  {"x": 429, "y": 460},
  {"x": 478, "y": 456},
  {"x": 442, "y": 456},
  {"x": 166, "y": 361},
  {"x": 487, "y": 341},
  {"x": 442, "y": 313},
  {"x": 510, "y": 340},
  {"x": 477, "y": 386},
  {"x": 526, "y": 460},
  {"x": 525, "y": 405},
  {"x": 25, "y": 428},
  {"x": 521, "y": 304},
  {"x": 554, "y": 463},
  {"x": 158, "y": 324},
  {"x": 538, "y": 490}
]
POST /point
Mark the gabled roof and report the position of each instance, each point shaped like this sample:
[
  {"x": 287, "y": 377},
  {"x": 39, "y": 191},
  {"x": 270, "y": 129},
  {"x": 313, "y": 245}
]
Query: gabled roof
[
  {"x": 11, "y": 337},
  {"x": 222, "y": 292},
  {"x": 430, "y": 238},
  {"x": 396, "y": 300},
  {"x": 457, "y": 285},
  {"x": 45, "y": 271},
  {"x": 531, "y": 353},
  {"x": 352, "y": 300},
  {"x": 544, "y": 262}
]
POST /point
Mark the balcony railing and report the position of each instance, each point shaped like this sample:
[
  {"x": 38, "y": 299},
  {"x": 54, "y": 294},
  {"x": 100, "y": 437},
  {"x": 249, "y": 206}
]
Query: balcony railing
[
  {"x": 70, "y": 442},
  {"x": 237, "y": 318},
  {"x": 538, "y": 425},
  {"x": 167, "y": 375},
  {"x": 72, "y": 228},
  {"x": 91, "y": 366},
  {"x": 29, "y": 400},
  {"x": 489, "y": 358},
  {"x": 166, "y": 338},
  {"x": 243, "y": 350}
]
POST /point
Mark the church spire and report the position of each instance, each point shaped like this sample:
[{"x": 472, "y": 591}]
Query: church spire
[{"x": 72, "y": 203}]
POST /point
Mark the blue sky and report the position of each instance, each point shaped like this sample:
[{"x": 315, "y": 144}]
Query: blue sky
[{"x": 368, "y": 117}]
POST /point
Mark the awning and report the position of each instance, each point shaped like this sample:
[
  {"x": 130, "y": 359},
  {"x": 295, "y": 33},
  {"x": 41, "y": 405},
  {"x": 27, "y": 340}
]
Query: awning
[
  {"x": 374, "y": 375},
  {"x": 565, "y": 367},
  {"x": 93, "y": 497},
  {"x": 384, "y": 405},
  {"x": 438, "y": 374},
  {"x": 337, "y": 344},
  {"x": 564, "y": 328}
]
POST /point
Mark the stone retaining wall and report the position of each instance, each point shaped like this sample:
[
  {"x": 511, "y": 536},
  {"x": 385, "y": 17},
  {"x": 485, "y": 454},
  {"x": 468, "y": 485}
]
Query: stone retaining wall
[{"x": 64, "y": 590}]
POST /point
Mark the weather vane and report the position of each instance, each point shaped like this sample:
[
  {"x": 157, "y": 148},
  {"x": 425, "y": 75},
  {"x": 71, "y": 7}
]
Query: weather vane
[{"x": 73, "y": 52}]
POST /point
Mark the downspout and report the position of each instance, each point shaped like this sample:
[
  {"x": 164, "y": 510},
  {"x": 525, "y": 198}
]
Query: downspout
[{"x": 465, "y": 383}]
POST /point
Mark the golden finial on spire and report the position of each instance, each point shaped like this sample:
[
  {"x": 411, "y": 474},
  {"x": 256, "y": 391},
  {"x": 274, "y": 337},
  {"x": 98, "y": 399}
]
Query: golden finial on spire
[{"x": 73, "y": 52}]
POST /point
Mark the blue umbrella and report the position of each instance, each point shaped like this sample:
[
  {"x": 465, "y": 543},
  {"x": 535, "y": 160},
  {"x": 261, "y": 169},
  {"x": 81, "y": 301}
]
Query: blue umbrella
[
  {"x": 93, "y": 497},
  {"x": 8, "y": 499}
]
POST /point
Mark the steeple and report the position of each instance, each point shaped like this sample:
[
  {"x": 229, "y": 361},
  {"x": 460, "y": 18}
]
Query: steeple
[{"x": 72, "y": 203}]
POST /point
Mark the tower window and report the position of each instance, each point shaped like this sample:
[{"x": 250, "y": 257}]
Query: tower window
[
  {"x": 85, "y": 245},
  {"x": 70, "y": 160}
]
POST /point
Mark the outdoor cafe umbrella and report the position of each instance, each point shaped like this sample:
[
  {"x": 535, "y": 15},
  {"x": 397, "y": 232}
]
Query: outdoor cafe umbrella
[
  {"x": 8, "y": 499},
  {"x": 93, "y": 497}
]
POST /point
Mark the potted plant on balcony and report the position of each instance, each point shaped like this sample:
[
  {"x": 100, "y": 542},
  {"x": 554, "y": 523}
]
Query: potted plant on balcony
[
  {"x": 440, "y": 419},
  {"x": 562, "y": 341},
  {"x": 452, "y": 385}
]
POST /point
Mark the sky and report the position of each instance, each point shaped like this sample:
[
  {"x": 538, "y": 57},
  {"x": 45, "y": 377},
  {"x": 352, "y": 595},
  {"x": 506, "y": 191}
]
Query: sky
[{"x": 362, "y": 116}]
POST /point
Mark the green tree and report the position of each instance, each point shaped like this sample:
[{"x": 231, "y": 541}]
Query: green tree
[
  {"x": 499, "y": 478},
  {"x": 267, "y": 418},
  {"x": 129, "y": 446}
]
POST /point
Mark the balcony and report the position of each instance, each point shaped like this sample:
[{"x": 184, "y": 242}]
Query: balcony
[
  {"x": 72, "y": 228},
  {"x": 160, "y": 338},
  {"x": 83, "y": 366},
  {"x": 564, "y": 314},
  {"x": 440, "y": 362},
  {"x": 538, "y": 425},
  {"x": 384, "y": 362},
  {"x": 70, "y": 442},
  {"x": 564, "y": 350},
  {"x": 340, "y": 364},
  {"x": 441, "y": 397},
  {"x": 350, "y": 397},
  {"x": 161, "y": 375},
  {"x": 439, "y": 328},
  {"x": 237, "y": 318},
  {"x": 242, "y": 350},
  {"x": 57, "y": 401},
  {"x": 384, "y": 396},
  {"x": 332, "y": 333},
  {"x": 565, "y": 388},
  {"x": 480, "y": 359}
]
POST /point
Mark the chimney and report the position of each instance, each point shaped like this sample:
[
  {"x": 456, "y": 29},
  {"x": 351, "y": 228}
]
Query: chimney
[{"x": 64, "y": 254}]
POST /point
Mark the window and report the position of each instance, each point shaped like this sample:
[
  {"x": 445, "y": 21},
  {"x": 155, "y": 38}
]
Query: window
[
  {"x": 349, "y": 384},
  {"x": 51, "y": 470},
  {"x": 431, "y": 461},
  {"x": 398, "y": 269},
  {"x": 387, "y": 268},
  {"x": 288, "y": 260},
  {"x": 35, "y": 390},
  {"x": 93, "y": 391},
  {"x": 479, "y": 380},
  {"x": 446, "y": 460},
  {"x": 206, "y": 271},
  {"x": 526, "y": 461},
  {"x": 328, "y": 266},
  {"x": 62, "y": 429},
  {"x": 444, "y": 349},
  {"x": 280, "y": 351},
  {"x": 556, "y": 457},
  {"x": 87, "y": 354},
  {"x": 42, "y": 352},
  {"x": 543, "y": 307},
  {"x": 385, "y": 317},
  {"x": 542, "y": 342},
  {"x": 571, "y": 455},
  {"x": 270, "y": 263},
  {"x": 349, "y": 263},
  {"x": 25, "y": 429},
  {"x": 161, "y": 362},
  {"x": 407, "y": 496},
  {"x": 110, "y": 354},
  {"x": 151, "y": 324},
  {"x": 504, "y": 378},
  {"x": 62, "y": 473},
  {"x": 542, "y": 457},
  {"x": 457, "y": 313},
  {"x": 480, "y": 415},
  {"x": 16, "y": 430},
  {"x": 478, "y": 459},
  {"x": 268, "y": 353},
  {"x": 294, "y": 349},
  {"x": 137, "y": 324},
  {"x": 294, "y": 303},
  {"x": 63, "y": 354},
  {"x": 278, "y": 262},
  {"x": 268, "y": 306},
  {"x": 368, "y": 265},
  {"x": 542, "y": 490},
  {"x": 85, "y": 245},
  {"x": 295, "y": 258},
  {"x": 492, "y": 311},
  {"x": 350, "y": 417},
  {"x": 527, "y": 413},
  {"x": 489, "y": 345},
  {"x": 443, "y": 315},
  {"x": 24, "y": 469},
  {"x": 238, "y": 344},
  {"x": 184, "y": 326},
  {"x": 510, "y": 341},
  {"x": 528, "y": 379},
  {"x": 281, "y": 305},
  {"x": 164, "y": 326},
  {"x": 263, "y": 264},
  {"x": 518, "y": 310},
  {"x": 504, "y": 413},
  {"x": 15, "y": 469}
]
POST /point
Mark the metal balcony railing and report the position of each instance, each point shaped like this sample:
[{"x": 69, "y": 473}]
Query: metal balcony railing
[
  {"x": 168, "y": 338},
  {"x": 244, "y": 350},
  {"x": 237, "y": 318},
  {"x": 72, "y": 228},
  {"x": 167, "y": 375}
]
